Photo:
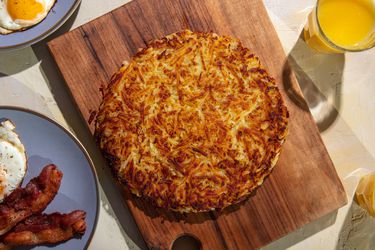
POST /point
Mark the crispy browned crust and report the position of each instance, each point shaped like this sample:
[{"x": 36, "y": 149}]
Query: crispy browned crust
[{"x": 193, "y": 122}]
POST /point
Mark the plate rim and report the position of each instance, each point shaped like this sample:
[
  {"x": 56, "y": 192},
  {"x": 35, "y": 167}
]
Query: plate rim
[
  {"x": 83, "y": 150},
  {"x": 42, "y": 36}
]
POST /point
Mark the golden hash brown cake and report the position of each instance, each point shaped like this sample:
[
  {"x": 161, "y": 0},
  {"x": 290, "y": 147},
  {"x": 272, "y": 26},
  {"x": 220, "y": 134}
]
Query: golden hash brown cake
[{"x": 192, "y": 122}]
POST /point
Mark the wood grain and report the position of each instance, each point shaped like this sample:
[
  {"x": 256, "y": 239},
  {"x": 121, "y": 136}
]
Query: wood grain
[{"x": 304, "y": 185}]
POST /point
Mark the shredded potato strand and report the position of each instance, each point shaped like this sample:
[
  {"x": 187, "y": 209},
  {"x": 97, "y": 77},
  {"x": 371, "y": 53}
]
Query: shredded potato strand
[{"x": 193, "y": 122}]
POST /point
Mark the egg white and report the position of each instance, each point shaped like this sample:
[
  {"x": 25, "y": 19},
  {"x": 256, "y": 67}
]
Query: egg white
[
  {"x": 10, "y": 24},
  {"x": 13, "y": 163},
  {"x": 5, "y": 31}
]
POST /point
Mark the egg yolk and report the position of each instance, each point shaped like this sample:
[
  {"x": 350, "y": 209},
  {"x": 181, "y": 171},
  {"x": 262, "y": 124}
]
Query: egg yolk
[{"x": 24, "y": 9}]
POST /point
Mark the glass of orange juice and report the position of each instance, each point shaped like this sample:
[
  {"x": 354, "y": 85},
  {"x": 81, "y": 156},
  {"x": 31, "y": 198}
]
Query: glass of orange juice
[{"x": 336, "y": 26}]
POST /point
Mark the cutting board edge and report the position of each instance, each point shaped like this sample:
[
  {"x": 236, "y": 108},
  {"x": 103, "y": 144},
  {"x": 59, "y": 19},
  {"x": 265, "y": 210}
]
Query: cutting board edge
[{"x": 51, "y": 43}]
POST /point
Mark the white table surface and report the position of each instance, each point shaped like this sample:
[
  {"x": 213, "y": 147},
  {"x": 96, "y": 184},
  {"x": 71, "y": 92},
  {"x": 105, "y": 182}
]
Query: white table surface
[{"x": 339, "y": 90}]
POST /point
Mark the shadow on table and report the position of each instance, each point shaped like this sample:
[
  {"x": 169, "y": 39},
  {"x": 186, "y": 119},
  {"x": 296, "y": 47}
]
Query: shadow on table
[
  {"x": 15, "y": 93},
  {"x": 319, "y": 76},
  {"x": 303, "y": 233},
  {"x": 357, "y": 232},
  {"x": 319, "y": 79},
  {"x": 23, "y": 59}
]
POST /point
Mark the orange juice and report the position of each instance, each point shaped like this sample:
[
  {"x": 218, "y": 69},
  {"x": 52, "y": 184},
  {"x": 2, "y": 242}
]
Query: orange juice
[{"x": 339, "y": 25}]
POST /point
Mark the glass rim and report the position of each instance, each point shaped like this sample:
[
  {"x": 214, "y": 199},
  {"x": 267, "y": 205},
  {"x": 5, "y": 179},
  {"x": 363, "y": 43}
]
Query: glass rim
[{"x": 331, "y": 43}]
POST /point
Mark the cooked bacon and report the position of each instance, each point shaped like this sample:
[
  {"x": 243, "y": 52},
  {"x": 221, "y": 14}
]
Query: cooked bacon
[
  {"x": 46, "y": 229},
  {"x": 4, "y": 247},
  {"x": 32, "y": 199}
]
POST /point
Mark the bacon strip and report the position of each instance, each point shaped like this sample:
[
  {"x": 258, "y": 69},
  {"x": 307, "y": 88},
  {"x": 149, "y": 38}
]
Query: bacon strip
[
  {"x": 34, "y": 198},
  {"x": 46, "y": 229}
]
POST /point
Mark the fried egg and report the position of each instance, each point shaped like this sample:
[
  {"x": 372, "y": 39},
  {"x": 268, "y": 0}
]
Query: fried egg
[
  {"x": 21, "y": 14},
  {"x": 12, "y": 159}
]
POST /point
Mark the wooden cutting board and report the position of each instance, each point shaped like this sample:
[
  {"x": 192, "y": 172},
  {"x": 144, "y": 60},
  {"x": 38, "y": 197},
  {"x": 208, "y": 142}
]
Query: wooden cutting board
[{"x": 304, "y": 185}]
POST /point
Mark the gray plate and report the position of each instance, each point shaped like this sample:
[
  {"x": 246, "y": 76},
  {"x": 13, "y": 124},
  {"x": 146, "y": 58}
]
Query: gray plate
[
  {"x": 60, "y": 12},
  {"x": 47, "y": 142}
]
